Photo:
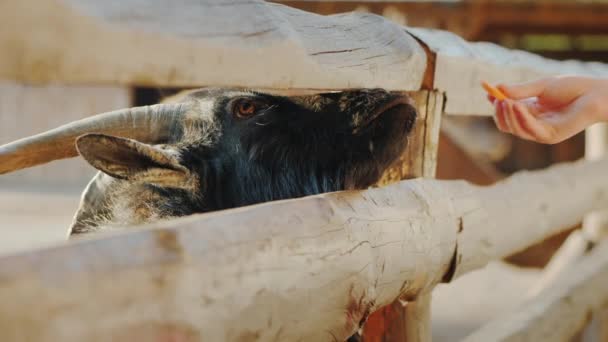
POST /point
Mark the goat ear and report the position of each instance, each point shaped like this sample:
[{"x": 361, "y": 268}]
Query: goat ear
[{"x": 129, "y": 159}]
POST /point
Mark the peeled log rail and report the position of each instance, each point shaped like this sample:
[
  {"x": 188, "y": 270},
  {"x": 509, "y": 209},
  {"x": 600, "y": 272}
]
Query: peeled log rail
[
  {"x": 251, "y": 43},
  {"x": 248, "y": 43},
  {"x": 309, "y": 269},
  {"x": 460, "y": 66},
  {"x": 560, "y": 311}
]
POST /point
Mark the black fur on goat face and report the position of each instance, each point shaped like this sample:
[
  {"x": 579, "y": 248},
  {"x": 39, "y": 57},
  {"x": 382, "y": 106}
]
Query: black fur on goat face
[
  {"x": 235, "y": 148},
  {"x": 276, "y": 147}
]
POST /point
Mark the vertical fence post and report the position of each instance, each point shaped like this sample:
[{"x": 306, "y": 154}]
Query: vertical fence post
[
  {"x": 410, "y": 321},
  {"x": 418, "y": 319}
]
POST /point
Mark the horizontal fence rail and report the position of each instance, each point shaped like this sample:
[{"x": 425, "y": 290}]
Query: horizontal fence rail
[
  {"x": 251, "y": 43},
  {"x": 247, "y": 43},
  {"x": 559, "y": 312},
  {"x": 310, "y": 268}
]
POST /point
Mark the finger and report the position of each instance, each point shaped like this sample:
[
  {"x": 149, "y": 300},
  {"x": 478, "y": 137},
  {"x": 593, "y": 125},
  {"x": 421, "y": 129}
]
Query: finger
[
  {"x": 525, "y": 90},
  {"x": 491, "y": 98},
  {"x": 499, "y": 117},
  {"x": 551, "y": 128},
  {"x": 517, "y": 122},
  {"x": 532, "y": 106},
  {"x": 531, "y": 127},
  {"x": 508, "y": 115}
]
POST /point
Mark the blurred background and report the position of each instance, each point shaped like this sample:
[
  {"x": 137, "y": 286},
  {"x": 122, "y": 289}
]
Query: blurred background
[{"x": 39, "y": 202}]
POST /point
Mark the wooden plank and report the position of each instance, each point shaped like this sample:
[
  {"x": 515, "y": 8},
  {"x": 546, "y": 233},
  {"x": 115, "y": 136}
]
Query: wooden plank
[
  {"x": 27, "y": 110},
  {"x": 561, "y": 311},
  {"x": 248, "y": 43},
  {"x": 418, "y": 311},
  {"x": 418, "y": 319},
  {"x": 473, "y": 244},
  {"x": 595, "y": 225},
  {"x": 460, "y": 67},
  {"x": 431, "y": 137},
  {"x": 393, "y": 323},
  {"x": 308, "y": 269}
]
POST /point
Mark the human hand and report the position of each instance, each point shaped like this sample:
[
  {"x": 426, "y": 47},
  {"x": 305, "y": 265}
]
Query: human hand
[{"x": 553, "y": 109}]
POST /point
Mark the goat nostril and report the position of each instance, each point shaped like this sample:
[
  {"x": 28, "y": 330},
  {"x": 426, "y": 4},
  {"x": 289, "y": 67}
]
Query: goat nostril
[{"x": 398, "y": 102}]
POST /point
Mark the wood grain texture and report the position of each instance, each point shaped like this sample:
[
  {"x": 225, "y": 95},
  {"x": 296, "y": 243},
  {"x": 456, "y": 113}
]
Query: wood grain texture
[
  {"x": 247, "y": 43},
  {"x": 511, "y": 194},
  {"x": 460, "y": 66},
  {"x": 559, "y": 312},
  {"x": 252, "y": 43},
  {"x": 258, "y": 272},
  {"x": 581, "y": 242},
  {"x": 393, "y": 323},
  {"x": 595, "y": 226}
]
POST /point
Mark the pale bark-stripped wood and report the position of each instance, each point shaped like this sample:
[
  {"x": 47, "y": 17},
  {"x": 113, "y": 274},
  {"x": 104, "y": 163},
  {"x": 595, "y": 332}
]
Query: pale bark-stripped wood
[
  {"x": 418, "y": 312},
  {"x": 597, "y": 330},
  {"x": 460, "y": 66},
  {"x": 580, "y": 243},
  {"x": 560, "y": 311},
  {"x": 253, "y": 44},
  {"x": 418, "y": 319},
  {"x": 569, "y": 253},
  {"x": 306, "y": 269},
  {"x": 596, "y": 141},
  {"x": 247, "y": 43},
  {"x": 595, "y": 225},
  {"x": 432, "y": 129},
  {"x": 419, "y": 160},
  {"x": 507, "y": 198}
]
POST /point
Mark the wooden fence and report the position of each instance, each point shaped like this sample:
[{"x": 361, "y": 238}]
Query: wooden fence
[{"x": 309, "y": 269}]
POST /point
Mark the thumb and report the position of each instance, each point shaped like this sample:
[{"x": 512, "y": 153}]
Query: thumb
[{"x": 524, "y": 90}]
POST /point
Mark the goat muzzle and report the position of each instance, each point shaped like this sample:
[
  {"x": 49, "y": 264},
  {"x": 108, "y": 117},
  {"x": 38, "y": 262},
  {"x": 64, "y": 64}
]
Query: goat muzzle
[{"x": 393, "y": 102}]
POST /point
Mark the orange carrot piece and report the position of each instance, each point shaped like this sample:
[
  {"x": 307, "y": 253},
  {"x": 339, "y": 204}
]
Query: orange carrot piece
[{"x": 499, "y": 95}]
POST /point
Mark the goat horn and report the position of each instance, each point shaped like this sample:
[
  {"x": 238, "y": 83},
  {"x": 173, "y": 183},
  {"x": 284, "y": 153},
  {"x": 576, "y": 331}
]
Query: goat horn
[{"x": 149, "y": 124}]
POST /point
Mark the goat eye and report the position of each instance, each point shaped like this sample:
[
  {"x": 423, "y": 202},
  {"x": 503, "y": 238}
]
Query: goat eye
[{"x": 245, "y": 108}]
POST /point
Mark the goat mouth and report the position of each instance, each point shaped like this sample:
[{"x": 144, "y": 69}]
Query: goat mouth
[{"x": 396, "y": 104}]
